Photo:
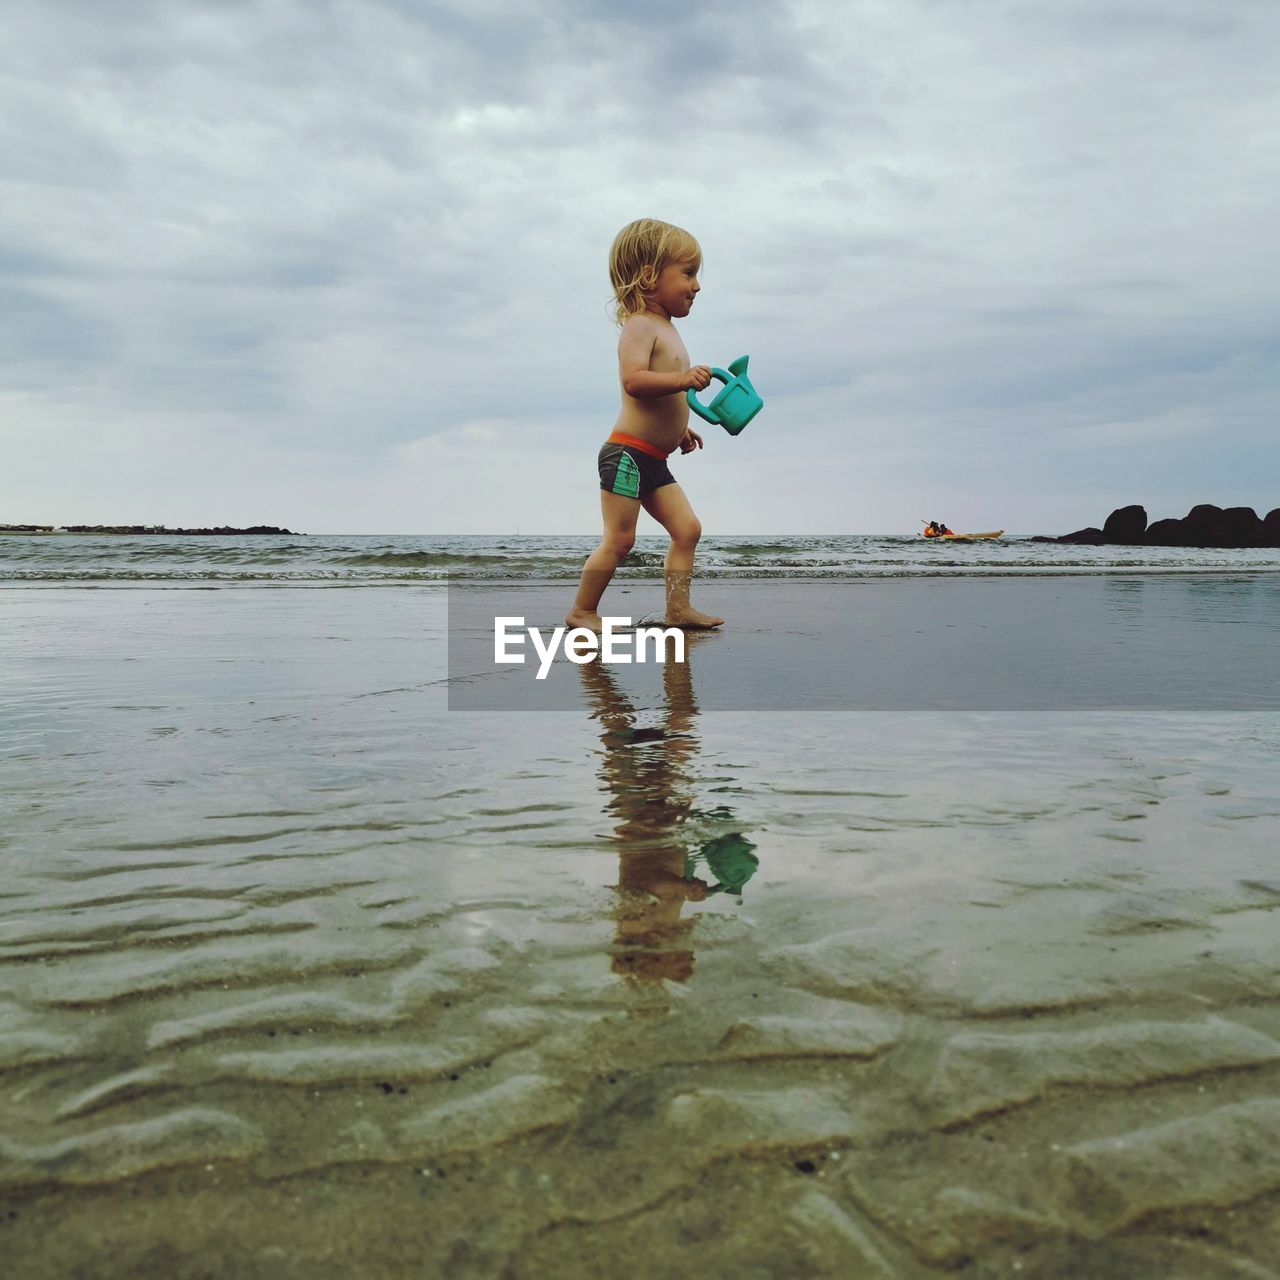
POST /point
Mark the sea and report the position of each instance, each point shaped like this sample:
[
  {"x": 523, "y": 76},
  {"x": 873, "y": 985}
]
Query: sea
[
  {"x": 367, "y": 559},
  {"x": 944, "y": 940}
]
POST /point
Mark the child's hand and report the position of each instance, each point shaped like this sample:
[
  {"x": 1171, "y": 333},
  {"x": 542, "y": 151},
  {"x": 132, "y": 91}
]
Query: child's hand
[
  {"x": 696, "y": 378},
  {"x": 690, "y": 441}
]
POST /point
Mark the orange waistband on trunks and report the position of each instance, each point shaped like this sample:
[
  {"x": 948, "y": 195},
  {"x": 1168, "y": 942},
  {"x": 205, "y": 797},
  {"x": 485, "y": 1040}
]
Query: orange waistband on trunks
[{"x": 620, "y": 437}]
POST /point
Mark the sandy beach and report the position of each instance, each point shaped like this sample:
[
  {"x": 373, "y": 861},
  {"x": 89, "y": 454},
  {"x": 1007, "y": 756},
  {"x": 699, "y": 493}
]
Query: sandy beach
[{"x": 305, "y": 974}]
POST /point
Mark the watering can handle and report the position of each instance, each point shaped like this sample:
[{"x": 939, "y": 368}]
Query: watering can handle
[{"x": 698, "y": 407}]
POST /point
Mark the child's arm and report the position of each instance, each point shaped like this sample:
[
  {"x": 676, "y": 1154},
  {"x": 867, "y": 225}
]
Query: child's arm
[{"x": 635, "y": 350}]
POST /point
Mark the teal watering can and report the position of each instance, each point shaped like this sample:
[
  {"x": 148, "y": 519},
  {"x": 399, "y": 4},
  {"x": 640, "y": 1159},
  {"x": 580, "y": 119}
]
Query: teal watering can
[
  {"x": 729, "y": 859},
  {"x": 735, "y": 404}
]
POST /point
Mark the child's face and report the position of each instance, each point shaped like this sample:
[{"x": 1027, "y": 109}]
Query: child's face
[{"x": 676, "y": 288}]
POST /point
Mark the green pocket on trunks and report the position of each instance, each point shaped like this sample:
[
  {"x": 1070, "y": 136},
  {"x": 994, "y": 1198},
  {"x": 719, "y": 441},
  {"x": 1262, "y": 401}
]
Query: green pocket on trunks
[{"x": 626, "y": 479}]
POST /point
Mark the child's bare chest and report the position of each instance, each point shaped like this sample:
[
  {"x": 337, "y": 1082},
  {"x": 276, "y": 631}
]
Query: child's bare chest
[{"x": 669, "y": 354}]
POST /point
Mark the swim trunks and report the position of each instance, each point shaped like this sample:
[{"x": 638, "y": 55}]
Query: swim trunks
[{"x": 632, "y": 468}]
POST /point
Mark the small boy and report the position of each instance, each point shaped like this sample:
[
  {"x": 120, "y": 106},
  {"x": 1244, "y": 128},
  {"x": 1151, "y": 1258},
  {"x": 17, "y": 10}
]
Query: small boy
[{"x": 654, "y": 269}]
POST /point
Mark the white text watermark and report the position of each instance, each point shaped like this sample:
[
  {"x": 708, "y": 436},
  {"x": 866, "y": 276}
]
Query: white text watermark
[{"x": 616, "y": 643}]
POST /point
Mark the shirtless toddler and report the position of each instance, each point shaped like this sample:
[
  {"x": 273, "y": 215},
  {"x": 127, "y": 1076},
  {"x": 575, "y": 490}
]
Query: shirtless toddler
[{"x": 654, "y": 269}]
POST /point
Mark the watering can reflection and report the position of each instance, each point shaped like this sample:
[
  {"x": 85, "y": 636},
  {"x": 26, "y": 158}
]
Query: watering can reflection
[
  {"x": 735, "y": 404},
  {"x": 729, "y": 859}
]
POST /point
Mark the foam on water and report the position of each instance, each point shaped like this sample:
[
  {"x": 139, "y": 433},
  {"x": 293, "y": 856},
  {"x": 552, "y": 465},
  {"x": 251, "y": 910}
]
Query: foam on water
[{"x": 347, "y": 559}]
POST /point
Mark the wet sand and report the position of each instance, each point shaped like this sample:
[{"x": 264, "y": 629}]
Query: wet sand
[{"x": 303, "y": 974}]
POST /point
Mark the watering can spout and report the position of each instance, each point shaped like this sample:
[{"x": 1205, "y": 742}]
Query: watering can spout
[{"x": 739, "y": 370}]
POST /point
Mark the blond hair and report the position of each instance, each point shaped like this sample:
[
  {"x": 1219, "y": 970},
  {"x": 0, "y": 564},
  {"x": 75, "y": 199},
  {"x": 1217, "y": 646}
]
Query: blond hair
[{"x": 640, "y": 251}]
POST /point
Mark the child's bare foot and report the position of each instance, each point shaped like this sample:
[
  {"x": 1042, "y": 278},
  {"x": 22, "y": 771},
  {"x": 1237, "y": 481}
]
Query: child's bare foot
[
  {"x": 691, "y": 618},
  {"x": 584, "y": 618}
]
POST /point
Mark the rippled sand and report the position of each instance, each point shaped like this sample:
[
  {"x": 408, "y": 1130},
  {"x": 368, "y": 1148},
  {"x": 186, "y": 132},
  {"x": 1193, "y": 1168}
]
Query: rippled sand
[{"x": 304, "y": 975}]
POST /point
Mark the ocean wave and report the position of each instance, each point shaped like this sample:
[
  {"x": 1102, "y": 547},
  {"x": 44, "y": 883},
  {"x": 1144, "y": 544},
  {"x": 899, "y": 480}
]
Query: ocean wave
[
  {"x": 386, "y": 559},
  {"x": 760, "y": 548},
  {"x": 422, "y": 559},
  {"x": 569, "y": 574}
]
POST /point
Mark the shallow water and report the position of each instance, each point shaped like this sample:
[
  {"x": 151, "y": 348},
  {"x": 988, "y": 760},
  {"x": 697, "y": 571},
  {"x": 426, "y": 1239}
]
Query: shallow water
[{"x": 302, "y": 973}]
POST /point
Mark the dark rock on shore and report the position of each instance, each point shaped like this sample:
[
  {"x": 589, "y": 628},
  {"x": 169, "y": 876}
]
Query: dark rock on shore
[
  {"x": 1165, "y": 533},
  {"x": 1126, "y": 525},
  {"x": 1210, "y": 526},
  {"x": 219, "y": 531},
  {"x": 1203, "y": 526},
  {"x": 1090, "y": 537}
]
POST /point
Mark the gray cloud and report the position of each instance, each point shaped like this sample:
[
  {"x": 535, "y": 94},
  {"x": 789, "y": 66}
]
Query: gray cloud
[{"x": 301, "y": 242}]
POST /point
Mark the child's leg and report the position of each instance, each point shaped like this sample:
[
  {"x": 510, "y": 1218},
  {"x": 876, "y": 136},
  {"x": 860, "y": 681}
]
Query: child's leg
[
  {"x": 670, "y": 508},
  {"x": 620, "y": 516}
]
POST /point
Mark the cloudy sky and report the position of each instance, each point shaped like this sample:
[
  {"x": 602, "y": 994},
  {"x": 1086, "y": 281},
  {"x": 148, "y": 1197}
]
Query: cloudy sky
[{"x": 342, "y": 266}]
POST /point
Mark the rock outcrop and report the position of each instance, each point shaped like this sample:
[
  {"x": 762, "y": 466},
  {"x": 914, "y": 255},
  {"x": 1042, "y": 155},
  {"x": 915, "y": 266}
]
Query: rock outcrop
[
  {"x": 1203, "y": 526},
  {"x": 1125, "y": 525},
  {"x": 219, "y": 531},
  {"x": 1090, "y": 537}
]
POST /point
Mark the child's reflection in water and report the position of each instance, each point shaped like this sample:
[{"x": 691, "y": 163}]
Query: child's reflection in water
[{"x": 647, "y": 771}]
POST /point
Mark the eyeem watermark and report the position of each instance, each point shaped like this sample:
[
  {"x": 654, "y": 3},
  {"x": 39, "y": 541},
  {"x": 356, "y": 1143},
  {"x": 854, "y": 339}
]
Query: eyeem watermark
[
  {"x": 1072, "y": 643},
  {"x": 614, "y": 644}
]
